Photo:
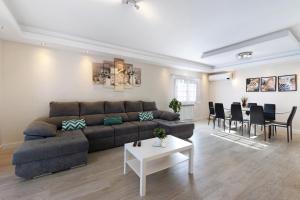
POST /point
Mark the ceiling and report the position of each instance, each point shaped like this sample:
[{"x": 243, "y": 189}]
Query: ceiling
[{"x": 168, "y": 32}]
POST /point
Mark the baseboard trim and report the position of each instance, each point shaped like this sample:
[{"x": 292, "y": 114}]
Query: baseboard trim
[{"x": 12, "y": 145}]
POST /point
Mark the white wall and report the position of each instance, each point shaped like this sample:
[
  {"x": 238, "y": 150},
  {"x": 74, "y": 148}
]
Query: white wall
[
  {"x": 33, "y": 76},
  {"x": 228, "y": 91}
]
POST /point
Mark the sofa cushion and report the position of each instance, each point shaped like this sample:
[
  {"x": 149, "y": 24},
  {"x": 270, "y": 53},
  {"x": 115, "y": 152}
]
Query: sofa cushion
[
  {"x": 146, "y": 125},
  {"x": 73, "y": 124},
  {"x": 126, "y": 128},
  {"x": 177, "y": 128},
  {"x": 95, "y": 132},
  {"x": 65, "y": 143},
  {"x": 149, "y": 106},
  {"x": 133, "y": 106},
  {"x": 156, "y": 114},
  {"x": 108, "y": 121},
  {"x": 64, "y": 109},
  {"x": 41, "y": 129},
  {"x": 58, "y": 120},
  {"x": 166, "y": 115},
  {"x": 91, "y": 120},
  {"x": 123, "y": 115},
  {"x": 114, "y": 107},
  {"x": 133, "y": 116},
  {"x": 146, "y": 116},
  {"x": 91, "y": 108}
]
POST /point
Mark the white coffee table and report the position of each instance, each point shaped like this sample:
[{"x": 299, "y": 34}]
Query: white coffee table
[{"x": 148, "y": 159}]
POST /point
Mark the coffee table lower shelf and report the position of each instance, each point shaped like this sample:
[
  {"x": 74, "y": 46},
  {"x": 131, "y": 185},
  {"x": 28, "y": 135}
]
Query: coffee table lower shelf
[{"x": 158, "y": 164}]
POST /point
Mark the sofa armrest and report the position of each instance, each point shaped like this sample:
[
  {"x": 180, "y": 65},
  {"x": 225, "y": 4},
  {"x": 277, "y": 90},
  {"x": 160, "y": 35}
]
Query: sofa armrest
[
  {"x": 170, "y": 116},
  {"x": 41, "y": 129}
]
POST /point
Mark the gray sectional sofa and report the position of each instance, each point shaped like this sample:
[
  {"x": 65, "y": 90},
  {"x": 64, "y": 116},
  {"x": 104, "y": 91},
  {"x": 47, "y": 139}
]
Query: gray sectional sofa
[{"x": 48, "y": 149}]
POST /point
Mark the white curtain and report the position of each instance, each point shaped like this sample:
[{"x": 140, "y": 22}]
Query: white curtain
[{"x": 186, "y": 90}]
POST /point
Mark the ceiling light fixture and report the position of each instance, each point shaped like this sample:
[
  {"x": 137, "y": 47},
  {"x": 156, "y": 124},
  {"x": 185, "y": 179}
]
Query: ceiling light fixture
[
  {"x": 245, "y": 55},
  {"x": 133, "y": 3},
  {"x": 43, "y": 44}
]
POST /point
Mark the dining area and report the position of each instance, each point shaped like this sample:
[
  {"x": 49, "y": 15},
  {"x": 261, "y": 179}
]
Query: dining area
[{"x": 249, "y": 118}]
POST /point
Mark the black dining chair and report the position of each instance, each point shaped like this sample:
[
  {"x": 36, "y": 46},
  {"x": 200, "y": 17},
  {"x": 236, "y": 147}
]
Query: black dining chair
[
  {"x": 237, "y": 116},
  {"x": 220, "y": 114},
  {"x": 236, "y": 103},
  {"x": 211, "y": 111},
  {"x": 270, "y": 113},
  {"x": 288, "y": 124},
  {"x": 257, "y": 118},
  {"x": 249, "y": 106}
]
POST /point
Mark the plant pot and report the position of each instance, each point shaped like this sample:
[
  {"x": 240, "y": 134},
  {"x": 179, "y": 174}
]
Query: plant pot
[{"x": 159, "y": 143}]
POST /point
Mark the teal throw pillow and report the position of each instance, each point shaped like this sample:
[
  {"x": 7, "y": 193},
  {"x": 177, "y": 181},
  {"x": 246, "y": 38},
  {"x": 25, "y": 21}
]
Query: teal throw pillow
[
  {"x": 112, "y": 121},
  {"x": 146, "y": 116},
  {"x": 73, "y": 124}
]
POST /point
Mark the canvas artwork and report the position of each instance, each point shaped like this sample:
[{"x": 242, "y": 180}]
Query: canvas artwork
[
  {"x": 287, "y": 83},
  {"x": 252, "y": 84},
  {"x": 268, "y": 84},
  {"x": 118, "y": 75}
]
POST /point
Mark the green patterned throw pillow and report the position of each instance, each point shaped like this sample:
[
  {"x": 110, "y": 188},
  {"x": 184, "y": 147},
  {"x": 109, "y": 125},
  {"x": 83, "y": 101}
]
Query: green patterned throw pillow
[
  {"x": 146, "y": 116},
  {"x": 73, "y": 124}
]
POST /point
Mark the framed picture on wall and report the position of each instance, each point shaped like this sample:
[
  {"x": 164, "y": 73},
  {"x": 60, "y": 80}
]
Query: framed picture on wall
[
  {"x": 287, "y": 83},
  {"x": 268, "y": 84},
  {"x": 252, "y": 84}
]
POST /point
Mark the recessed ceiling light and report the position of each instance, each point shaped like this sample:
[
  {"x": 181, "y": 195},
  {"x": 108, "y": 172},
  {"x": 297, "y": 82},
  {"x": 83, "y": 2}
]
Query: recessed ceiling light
[
  {"x": 133, "y": 3},
  {"x": 43, "y": 44},
  {"x": 244, "y": 55}
]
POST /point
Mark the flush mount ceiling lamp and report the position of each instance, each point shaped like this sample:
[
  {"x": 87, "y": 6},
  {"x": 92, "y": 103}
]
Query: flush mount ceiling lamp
[
  {"x": 244, "y": 55},
  {"x": 133, "y": 3}
]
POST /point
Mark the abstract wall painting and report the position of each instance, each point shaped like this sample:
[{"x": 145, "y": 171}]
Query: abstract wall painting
[
  {"x": 287, "y": 83},
  {"x": 268, "y": 84},
  {"x": 118, "y": 75},
  {"x": 252, "y": 84}
]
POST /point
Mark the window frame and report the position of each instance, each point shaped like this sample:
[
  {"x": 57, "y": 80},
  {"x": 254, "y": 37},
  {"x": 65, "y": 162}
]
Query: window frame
[{"x": 186, "y": 79}]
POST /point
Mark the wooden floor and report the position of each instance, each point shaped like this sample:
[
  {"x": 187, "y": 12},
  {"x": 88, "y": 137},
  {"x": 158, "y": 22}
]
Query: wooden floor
[{"x": 226, "y": 167}]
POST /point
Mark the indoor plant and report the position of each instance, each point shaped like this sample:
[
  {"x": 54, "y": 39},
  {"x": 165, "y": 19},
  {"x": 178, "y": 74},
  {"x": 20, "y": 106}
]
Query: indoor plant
[
  {"x": 161, "y": 134},
  {"x": 175, "y": 105},
  {"x": 244, "y": 101}
]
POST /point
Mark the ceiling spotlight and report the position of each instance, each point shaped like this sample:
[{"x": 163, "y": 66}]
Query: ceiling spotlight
[
  {"x": 244, "y": 55},
  {"x": 133, "y": 3}
]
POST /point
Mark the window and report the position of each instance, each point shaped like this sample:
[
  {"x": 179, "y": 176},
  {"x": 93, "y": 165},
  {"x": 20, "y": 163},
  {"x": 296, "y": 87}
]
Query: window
[{"x": 186, "y": 90}]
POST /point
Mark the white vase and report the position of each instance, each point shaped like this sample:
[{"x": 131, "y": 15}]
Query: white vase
[
  {"x": 162, "y": 142},
  {"x": 159, "y": 143}
]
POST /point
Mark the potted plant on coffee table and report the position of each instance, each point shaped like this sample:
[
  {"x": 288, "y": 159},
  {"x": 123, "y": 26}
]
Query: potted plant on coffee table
[{"x": 161, "y": 134}]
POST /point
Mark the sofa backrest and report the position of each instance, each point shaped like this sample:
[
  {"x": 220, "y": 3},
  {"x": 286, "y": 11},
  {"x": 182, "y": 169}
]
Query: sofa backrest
[
  {"x": 95, "y": 112},
  {"x": 58, "y": 109}
]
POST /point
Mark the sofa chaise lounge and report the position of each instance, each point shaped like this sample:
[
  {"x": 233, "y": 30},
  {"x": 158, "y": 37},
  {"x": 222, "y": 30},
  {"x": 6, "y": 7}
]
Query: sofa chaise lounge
[{"x": 48, "y": 149}]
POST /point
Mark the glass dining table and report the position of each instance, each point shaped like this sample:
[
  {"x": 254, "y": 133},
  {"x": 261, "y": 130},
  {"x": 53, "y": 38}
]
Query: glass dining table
[{"x": 248, "y": 110}]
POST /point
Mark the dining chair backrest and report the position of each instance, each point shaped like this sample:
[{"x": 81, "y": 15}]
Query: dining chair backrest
[
  {"x": 236, "y": 112},
  {"x": 270, "y": 112},
  {"x": 211, "y": 108},
  {"x": 292, "y": 115},
  {"x": 257, "y": 115},
  {"x": 219, "y": 109},
  {"x": 236, "y": 103},
  {"x": 251, "y": 104}
]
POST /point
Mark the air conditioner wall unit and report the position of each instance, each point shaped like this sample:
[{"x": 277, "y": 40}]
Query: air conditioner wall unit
[{"x": 220, "y": 77}]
